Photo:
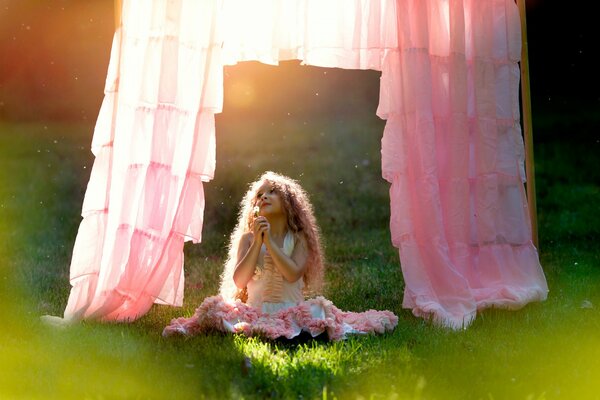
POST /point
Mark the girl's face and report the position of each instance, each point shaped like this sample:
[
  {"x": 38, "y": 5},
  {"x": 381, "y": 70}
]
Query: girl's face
[{"x": 268, "y": 200}]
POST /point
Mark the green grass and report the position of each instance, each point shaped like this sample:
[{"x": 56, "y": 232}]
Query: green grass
[{"x": 547, "y": 350}]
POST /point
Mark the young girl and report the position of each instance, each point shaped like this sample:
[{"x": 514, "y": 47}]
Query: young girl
[{"x": 275, "y": 262}]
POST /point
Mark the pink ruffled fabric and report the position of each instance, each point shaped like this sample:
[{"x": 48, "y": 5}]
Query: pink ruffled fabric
[
  {"x": 315, "y": 316},
  {"x": 453, "y": 153},
  {"x": 154, "y": 144},
  {"x": 452, "y": 147}
]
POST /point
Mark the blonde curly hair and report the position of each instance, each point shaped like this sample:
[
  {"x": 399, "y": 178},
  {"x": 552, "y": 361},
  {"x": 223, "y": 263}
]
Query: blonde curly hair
[{"x": 300, "y": 220}]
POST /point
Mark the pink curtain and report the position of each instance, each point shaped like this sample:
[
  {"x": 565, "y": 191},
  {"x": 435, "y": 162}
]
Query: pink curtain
[
  {"x": 154, "y": 144},
  {"x": 453, "y": 152},
  {"x": 451, "y": 149}
]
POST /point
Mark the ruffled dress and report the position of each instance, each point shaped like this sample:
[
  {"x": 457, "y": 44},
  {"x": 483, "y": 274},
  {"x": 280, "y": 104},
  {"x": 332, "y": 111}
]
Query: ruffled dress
[{"x": 276, "y": 309}]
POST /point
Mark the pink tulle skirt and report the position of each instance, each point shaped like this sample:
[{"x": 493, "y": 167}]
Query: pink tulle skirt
[{"x": 315, "y": 316}]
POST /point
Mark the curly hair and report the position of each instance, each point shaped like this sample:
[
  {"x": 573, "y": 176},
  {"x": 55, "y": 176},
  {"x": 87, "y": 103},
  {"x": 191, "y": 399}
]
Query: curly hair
[{"x": 300, "y": 220}]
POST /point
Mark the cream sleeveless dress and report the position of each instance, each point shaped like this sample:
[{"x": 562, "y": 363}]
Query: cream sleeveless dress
[{"x": 268, "y": 290}]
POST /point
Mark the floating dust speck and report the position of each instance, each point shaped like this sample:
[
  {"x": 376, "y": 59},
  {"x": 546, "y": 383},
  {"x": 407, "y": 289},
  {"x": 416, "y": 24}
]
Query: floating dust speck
[{"x": 586, "y": 304}]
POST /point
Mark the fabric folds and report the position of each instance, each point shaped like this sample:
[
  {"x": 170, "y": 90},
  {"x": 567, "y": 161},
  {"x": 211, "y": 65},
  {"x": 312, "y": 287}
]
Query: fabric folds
[
  {"x": 154, "y": 144},
  {"x": 451, "y": 150},
  {"x": 315, "y": 316},
  {"x": 352, "y": 34},
  {"x": 453, "y": 153}
]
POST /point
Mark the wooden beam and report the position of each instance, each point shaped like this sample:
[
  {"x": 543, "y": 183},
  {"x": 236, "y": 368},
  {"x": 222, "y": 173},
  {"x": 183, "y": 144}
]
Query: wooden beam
[
  {"x": 118, "y": 8},
  {"x": 528, "y": 125}
]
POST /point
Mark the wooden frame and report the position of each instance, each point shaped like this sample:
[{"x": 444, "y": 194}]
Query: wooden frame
[
  {"x": 528, "y": 125},
  {"x": 118, "y": 7}
]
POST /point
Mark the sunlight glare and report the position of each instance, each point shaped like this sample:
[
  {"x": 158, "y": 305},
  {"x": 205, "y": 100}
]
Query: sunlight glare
[{"x": 241, "y": 93}]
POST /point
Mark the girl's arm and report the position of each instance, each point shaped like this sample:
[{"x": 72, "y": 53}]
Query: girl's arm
[
  {"x": 292, "y": 268},
  {"x": 247, "y": 258}
]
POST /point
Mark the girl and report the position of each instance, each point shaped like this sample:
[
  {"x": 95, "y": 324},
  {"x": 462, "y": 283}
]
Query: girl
[{"x": 276, "y": 261}]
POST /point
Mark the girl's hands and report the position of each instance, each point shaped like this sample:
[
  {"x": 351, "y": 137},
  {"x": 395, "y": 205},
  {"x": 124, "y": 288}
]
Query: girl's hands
[{"x": 261, "y": 227}]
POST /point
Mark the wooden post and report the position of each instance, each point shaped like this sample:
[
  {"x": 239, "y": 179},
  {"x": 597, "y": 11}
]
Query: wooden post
[
  {"x": 527, "y": 125},
  {"x": 118, "y": 8}
]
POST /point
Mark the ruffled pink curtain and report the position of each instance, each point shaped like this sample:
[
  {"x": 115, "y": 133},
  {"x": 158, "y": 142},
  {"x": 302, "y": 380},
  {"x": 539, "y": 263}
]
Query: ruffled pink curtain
[
  {"x": 154, "y": 144},
  {"x": 451, "y": 149},
  {"x": 453, "y": 152}
]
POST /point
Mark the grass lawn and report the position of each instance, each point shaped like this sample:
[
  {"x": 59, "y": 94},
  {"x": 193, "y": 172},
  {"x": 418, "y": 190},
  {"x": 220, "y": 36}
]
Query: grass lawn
[{"x": 547, "y": 350}]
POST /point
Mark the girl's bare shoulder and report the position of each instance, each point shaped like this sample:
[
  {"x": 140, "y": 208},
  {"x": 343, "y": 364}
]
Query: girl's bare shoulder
[
  {"x": 301, "y": 242},
  {"x": 247, "y": 238}
]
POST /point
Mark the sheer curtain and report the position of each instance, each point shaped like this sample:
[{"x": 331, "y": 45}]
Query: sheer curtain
[
  {"x": 453, "y": 153},
  {"x": 451, "y": 149},
  {"x": 154, "y": 144},
  {"x": 351, "y": 34}
]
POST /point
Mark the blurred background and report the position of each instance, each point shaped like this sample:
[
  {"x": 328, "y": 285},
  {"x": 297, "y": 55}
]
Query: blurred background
[{"x": 54, "y": 56}]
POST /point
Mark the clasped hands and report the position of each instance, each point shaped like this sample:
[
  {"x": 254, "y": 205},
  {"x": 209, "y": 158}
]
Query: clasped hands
[
  {"x": 260, "y": 228},
  {"x": 262, "y": 234}
]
